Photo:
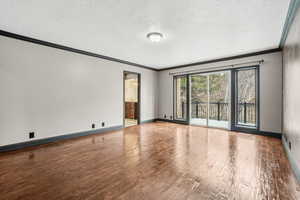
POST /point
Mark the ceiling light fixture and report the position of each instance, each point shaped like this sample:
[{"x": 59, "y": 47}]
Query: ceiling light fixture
[{"x": 155, "y": 36}]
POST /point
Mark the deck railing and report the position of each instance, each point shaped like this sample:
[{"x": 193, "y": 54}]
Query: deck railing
[{"x": 219, "y": 111}]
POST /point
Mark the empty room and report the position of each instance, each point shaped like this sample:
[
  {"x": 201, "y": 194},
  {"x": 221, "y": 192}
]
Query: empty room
[{"x": 150, "y": 100}]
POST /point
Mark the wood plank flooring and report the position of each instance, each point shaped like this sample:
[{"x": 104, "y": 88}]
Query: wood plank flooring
[{"x": 151, "y": 161}]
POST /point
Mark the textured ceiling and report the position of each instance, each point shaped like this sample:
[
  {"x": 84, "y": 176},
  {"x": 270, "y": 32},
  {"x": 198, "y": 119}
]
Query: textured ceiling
[{"x": 193, "y": 30}]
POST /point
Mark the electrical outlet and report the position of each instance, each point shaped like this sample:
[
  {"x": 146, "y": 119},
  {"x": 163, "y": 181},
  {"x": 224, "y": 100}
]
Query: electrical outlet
[
  {"x": 31, "y": 135},
  {"x": 165, "y": 116},
  {"x": 103, "y": 124},
  {"x": 290, "y": 145},
  {"x": 93, "y": 125}
]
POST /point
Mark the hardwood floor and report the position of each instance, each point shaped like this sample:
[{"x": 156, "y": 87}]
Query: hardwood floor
[{"x": 151, "y": 161}]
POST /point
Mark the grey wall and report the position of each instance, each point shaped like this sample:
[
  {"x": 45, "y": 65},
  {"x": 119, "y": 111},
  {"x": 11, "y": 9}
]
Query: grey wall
[
  {"x": 291, "y": 89},
  {"x": 55, "y": 92},
  {"x": 270, "y": 89}
]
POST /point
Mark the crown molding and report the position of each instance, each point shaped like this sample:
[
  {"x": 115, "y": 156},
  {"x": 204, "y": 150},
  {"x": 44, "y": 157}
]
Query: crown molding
[
  {"x": 293, "y": 7},
  {"x": 70, "y": 49},
  {"x": 66, "y": 48},
  {"x": 223, "y": 59}
]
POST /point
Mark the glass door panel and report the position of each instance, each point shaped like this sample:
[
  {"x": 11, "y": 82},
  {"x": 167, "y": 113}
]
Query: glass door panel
[
  {"x": 180, "y": 98},
  {"x": 199, "y": 100},
  {"x": 219, "y": 100},
  {"x": 246, "y": 97}
]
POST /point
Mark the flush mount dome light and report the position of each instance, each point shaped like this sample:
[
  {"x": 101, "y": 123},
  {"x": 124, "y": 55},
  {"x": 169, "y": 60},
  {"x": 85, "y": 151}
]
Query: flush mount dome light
[{"x": 155, "y": 36}]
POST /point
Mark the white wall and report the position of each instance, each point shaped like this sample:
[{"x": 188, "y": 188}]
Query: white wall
[
  {"x": 291, "y": 89},
  {"x": 270, "y": 89},
  {"x": 55, "y": 92}
]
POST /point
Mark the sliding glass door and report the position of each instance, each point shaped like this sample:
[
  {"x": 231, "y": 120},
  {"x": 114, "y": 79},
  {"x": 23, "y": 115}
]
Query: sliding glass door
[
  {"x": 210, "y": 99},
  {"x": 199, "y": 99},
  {"x": 219, "y": 100},
  {"x": 224, "y": 99}
]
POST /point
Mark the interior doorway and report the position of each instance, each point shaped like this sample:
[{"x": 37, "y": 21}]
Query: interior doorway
[{"x": 131, "y": 98}]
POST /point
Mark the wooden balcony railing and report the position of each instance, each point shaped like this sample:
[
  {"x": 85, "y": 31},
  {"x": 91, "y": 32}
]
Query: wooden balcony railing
[{"x": 219, "y": 111}]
